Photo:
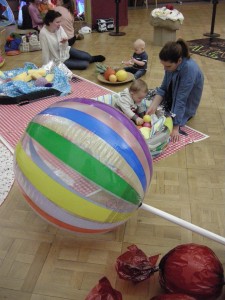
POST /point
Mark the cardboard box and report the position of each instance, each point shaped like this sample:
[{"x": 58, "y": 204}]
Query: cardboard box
[{"x": 162, "y": 36}]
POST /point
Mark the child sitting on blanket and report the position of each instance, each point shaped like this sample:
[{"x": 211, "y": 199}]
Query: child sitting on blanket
[{"x": 129, "y": 101}]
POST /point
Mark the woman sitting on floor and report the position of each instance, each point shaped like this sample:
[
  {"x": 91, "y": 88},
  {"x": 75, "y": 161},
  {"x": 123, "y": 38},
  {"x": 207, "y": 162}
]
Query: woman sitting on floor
[
  {"x": 37, "y": 21},
  {"x": 181, "y": 90},
  {"x": 66, "y": 8},
  {"x": 54, "y": 43}
]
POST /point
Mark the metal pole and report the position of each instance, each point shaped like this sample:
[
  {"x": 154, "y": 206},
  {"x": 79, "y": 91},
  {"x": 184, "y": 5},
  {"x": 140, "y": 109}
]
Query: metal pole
[
  {"x": 212, "y": 34},
  {"x": 117, "y": 33}
]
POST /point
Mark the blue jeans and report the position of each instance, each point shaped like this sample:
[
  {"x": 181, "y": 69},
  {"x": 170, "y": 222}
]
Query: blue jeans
[
  {"x": 137, "y": 72},
  {"x": 79, "y": 60}
]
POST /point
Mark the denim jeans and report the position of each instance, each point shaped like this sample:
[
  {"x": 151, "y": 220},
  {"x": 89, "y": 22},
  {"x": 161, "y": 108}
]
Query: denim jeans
[
  {"x": 137, "y": 72},
  {"x": 79, "y": 60}
]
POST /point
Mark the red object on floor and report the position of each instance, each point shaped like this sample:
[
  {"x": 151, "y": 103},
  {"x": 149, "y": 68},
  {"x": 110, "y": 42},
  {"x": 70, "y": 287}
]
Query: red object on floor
[
  {"x": 135, "y": 266},
  {"x": 192, "y": 269},
  {"x": 104, "y": 291}
]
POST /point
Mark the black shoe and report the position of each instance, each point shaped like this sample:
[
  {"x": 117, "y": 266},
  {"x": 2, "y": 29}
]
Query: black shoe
[
  {"x": 97, "y": 58},
  {"x": 182, "y": 132}
]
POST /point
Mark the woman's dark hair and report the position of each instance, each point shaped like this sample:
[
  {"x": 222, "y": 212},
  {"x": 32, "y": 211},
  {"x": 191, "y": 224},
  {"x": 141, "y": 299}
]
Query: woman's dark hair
[
  {"x": 50, "y": 16},
  {"x": 69, "y": 4},
  {"x": 172, "y": 51}
]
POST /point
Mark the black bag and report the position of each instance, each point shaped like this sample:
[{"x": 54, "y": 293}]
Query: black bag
[{"x": 105, "y": 25}]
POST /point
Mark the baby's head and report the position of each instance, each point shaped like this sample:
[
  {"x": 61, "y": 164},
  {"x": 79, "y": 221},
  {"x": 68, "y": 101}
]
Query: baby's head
[
  {"x": 139, "y": 46},
  {"x": 138, "y": 90}
]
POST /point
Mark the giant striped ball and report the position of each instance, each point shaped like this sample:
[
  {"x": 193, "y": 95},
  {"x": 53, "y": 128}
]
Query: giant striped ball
[{"x": 83, "y": 166}]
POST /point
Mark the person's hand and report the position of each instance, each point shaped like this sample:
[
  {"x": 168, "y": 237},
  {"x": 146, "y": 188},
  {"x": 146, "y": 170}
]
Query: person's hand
[
  {"x": 175, "y": 136},
  {"x": 127, "y": 63},
  {"x": 152, "y": 109},
  {"x": 139, "y": 121},
  {"x": 64, "y": 41}
]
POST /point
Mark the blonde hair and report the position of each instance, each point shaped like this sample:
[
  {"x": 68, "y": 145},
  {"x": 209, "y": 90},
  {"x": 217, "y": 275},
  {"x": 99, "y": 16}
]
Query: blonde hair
[
  {"x": 138, "y": 85},
  {"x": 139, "y": 44}
]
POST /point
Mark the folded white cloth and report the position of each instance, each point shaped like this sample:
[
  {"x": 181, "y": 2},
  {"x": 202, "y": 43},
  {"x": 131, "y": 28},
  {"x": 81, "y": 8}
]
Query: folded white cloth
[{"x": 167, "y": 14}]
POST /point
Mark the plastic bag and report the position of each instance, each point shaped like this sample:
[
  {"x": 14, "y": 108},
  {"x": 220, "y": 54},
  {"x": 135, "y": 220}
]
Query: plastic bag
[
  {"x": 134, "y": 265},
  {"x": 104, "y": 291},
  {"x": 192, "y": 269}
]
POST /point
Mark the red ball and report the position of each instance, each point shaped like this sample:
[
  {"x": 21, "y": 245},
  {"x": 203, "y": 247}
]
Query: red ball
[
  {"x": 169, "y": 6},
  {"x": 146, "y": 124},
  {"x": 192, "y": 269},
  {"x": 173, "y": 297}
]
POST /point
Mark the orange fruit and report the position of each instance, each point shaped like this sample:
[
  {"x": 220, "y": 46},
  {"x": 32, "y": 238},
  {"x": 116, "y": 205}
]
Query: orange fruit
[{"x": 112, "y": 78}]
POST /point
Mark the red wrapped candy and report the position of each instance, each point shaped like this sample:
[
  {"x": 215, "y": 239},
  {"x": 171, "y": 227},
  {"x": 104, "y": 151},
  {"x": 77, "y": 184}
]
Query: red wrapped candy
[
  {"x": 104, "y": 291},
  {"x": 173, "y": 297},
  {"x": 134, "y": 265},
  {"x": 192, "y": 269},
  {"x": 169, "y": 6}
]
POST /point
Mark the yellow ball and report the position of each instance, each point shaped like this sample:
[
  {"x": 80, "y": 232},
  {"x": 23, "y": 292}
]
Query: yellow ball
[
  {"x": 147, "y": 118},
  {"x": 169, "y": 123},
  {"x": 121, "y": 75},
  {"x": 146, "y": 132}
]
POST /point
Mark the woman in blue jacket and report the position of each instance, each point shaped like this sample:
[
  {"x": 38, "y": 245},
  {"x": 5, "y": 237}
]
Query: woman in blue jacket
[{"x": 181, "y": 89}]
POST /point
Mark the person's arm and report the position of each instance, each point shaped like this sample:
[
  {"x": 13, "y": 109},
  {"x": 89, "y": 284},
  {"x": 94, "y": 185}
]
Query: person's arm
[
  {"x": 175, "y": 136},
  {"x": 160, "y": 93},
  {"x": 153, "y": 106},
  {"x": 182, "y": 92},
  {"x": 138, "y": 62},
  {"x": 35, "y": 15},
  {"x": 128, "y": 62},
  {"x": 125, "y": 105},
  {"x": 62, "y": 38},
  {"x": 44, "y": 46},
  {"x": 124, "y": 102},
  {"x": 138, "y": 120},
  {"x": 184, "y": 88}
]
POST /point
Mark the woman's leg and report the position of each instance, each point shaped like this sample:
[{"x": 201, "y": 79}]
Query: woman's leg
[
  {"x": 84, "y": 56},
  {"x": 76, "y": 64},
  {"x": 80, "y": 55}
]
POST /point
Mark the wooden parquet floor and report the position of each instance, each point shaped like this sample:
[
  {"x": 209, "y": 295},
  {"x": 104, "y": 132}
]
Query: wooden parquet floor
[{"x": 41, "y": 262}]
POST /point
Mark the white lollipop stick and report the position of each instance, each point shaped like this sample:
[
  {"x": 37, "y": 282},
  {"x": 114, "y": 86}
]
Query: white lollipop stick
[{"x": 185, "y": 224}]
